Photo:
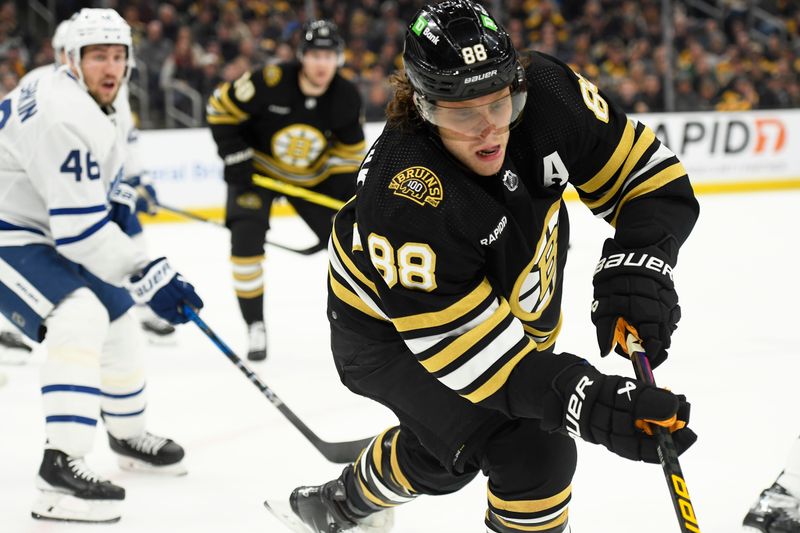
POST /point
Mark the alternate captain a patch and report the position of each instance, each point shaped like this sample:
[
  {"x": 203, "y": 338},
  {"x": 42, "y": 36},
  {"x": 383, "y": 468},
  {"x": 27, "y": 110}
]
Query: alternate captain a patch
[{"x": 419, "y": 185}]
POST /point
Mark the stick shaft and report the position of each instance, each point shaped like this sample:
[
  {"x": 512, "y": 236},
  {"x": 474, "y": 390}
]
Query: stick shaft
[
  {"x": 336, "y": 452},
  {"x": 298, "y": 192},
  {"x": 193, "y": 216},
  {"x": 678, "y": 491}
]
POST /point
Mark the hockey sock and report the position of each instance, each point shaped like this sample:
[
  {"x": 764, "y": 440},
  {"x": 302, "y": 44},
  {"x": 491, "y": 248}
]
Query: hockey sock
[
  {"x": 70, "y": 375},
  {"x": 375, "y": 482},
  {"x": 122, "y": 379},
  {"x": 248, "y": 282},
  {"x": 547, "y": 515}
]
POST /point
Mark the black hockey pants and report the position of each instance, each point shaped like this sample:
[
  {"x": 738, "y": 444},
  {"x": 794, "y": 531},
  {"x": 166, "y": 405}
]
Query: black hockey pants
[{"x": 443, "y": 440}]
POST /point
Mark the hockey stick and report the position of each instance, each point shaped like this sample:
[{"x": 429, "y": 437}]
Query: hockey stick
[
  {"x": 188, "y": 214},
  {"x": 627, "y": 336},
  {"x": 298, "y": 192},
  {"x": 335, "y": 452}
]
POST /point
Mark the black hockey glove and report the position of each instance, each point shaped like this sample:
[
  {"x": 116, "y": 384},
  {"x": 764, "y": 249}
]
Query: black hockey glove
[
  {"x": 239, "y": 168},
  {"x": 616, "y": 412},
  {"x": 635, "y": 284}
]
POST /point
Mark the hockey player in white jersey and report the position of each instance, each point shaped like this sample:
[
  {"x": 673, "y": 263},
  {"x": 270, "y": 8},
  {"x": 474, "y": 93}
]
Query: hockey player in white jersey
[
  {"x": 69, "y": 274},
  {"x": 157, "y": 329},
  {"x": 13, "y": 349}
]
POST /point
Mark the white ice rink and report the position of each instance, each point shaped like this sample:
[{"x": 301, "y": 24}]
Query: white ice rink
[{"x": 735, "y": 355}]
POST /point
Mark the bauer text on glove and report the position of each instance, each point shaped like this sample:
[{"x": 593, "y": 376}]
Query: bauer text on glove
[
  {"x": 637, "y": 285},
  {"x": 616, "y": 412},
  {"x": 164, "y": 290}
]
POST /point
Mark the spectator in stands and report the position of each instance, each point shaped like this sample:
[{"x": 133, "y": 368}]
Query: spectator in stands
[
  {"x": 606, "y": 40},
  {"x": 686, "y": 99},
  {"x": 150, "y": 57},
  {"x": 169, "y": 21},
  {"x": 204, "y": 27},
  {"x": 231, "y": 32}
]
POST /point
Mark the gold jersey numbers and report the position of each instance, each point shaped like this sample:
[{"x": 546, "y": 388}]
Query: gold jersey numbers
[
  {"x": 413, "y": 265},
  {"x": 419, "y": 185},
  {"x": 243, "y": 88},
  {"x": 594, "y": 101}
]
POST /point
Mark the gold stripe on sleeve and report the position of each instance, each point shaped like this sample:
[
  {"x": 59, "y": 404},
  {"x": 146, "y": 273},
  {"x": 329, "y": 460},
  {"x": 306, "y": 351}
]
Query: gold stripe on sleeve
[
  {"x": 445, "y": 316},
  {"x": 656, "y": 181},
  {"x": 457, "y": 348},
  {"x": 641, "y": 146},
  {"x": 232, "y": 108},
  {"x": 351, "y": 298},
  {"x": 350, "y": 265},
  {"x": 613, "y": 163}
]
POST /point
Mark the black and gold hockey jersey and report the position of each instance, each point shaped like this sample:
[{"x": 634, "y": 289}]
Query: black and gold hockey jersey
[
  {"x": 468, "y": 270},
  {"x": 296, "y": 138}
]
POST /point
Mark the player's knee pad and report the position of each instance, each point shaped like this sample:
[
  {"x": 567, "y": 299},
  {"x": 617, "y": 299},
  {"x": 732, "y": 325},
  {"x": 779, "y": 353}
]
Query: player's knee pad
[
  {"x": 122, "y": 378},
  {"x": 78, "y": 324}
]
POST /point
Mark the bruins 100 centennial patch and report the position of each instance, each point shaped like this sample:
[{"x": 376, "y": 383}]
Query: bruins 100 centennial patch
[{"x": 418, "y": 184}]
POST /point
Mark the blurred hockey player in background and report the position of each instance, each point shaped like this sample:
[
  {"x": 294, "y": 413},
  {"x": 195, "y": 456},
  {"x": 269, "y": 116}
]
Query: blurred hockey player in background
[
  {"x": 69, "y": 273},
  {"x": 446, "y": 278},
  {"x": 296, "y": 122},
  {"x": 777, "y": 509}
]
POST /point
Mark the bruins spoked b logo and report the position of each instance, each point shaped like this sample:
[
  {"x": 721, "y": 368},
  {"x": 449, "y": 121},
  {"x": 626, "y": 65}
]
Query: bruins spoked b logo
[
  {"x": 419, "y": 185},
  {"x": 298, "y": 145},
  {"x": 535, "y": 287}
]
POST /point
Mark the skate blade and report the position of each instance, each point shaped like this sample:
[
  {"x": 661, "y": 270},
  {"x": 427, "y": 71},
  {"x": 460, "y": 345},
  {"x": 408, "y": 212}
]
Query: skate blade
[
  {"x": 67, "y": 508},
  {"x": 136, "y": 465},
  {"x": 283, "y": 512}
]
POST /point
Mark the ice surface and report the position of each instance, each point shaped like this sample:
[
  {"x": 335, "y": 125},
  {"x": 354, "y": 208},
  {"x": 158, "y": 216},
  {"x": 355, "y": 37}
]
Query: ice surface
[{"x": 735, "y": 355}]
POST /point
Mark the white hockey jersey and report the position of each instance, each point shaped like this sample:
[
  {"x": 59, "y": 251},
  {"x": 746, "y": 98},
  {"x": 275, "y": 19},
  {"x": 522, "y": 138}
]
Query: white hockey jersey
[{"x": 59, "y": 156}]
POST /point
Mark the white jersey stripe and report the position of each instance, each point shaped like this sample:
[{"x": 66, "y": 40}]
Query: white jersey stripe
[{"x": 467, "y": 373}]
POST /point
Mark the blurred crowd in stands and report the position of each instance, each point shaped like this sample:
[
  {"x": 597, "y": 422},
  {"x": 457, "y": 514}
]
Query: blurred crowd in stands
[{"x": 723, "y": 56}]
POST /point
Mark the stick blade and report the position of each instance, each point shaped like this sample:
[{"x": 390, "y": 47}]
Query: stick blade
[{"x": 342, "y": 452}]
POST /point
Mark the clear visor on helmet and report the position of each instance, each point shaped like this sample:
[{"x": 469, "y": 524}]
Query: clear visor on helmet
[{"x": 477, "y": 118}]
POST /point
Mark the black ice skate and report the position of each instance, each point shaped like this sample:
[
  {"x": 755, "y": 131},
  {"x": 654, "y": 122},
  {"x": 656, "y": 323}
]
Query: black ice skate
[
  {"x": 776, "y": 511},
  {"x": 257, "y": 342},
  {"x": 323, "y": 509},
  {"x": 71, "y": 492},
  {"x": 13, "y": 350},
  {"x": 149, "y": 453}
]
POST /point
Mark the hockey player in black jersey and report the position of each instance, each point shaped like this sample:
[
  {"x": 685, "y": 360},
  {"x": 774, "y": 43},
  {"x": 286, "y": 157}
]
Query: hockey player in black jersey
[
  {"x": 296, "y": 122},
  {"x": 446, "y": 276}
]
